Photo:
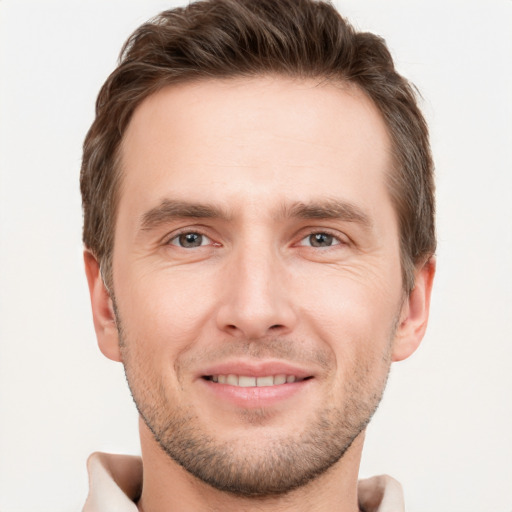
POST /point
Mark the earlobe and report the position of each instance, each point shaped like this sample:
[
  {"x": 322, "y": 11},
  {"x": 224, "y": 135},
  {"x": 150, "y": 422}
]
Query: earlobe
[
  {"x": 415, "y": 311},
  {"x": 102, "y": 309}
]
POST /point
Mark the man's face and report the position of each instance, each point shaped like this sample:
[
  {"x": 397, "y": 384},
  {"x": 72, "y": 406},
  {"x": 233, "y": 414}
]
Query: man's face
[{"x": 256, "y": 275}]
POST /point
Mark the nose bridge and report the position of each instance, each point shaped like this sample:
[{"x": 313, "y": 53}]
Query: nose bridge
[
  {"x": 256, "y": 301},
  {"x": 256, "y": 276}
]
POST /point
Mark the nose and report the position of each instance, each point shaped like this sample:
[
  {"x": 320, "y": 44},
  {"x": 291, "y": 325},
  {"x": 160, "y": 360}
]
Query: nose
[{"x": 255, "y": 300}]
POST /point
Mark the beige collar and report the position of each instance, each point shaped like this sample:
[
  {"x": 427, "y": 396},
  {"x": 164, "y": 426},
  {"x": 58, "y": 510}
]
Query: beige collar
[{"x": 115, "y": 481}]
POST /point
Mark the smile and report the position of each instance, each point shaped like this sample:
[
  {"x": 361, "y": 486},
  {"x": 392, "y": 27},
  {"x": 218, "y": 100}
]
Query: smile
[{"x": 244, "y": 381}]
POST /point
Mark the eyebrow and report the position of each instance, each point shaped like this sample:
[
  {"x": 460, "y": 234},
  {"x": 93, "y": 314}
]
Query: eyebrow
[
  {"x": 169, "y": 210},
  {"x": 328, "y": 209}
]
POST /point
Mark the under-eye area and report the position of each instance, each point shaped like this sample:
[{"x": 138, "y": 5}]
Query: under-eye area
[{"x": 245, "y": 381}]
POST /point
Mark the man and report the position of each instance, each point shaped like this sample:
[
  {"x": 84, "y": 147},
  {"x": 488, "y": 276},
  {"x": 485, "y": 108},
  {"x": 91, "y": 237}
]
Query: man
[{"x": 258, "y": 222}]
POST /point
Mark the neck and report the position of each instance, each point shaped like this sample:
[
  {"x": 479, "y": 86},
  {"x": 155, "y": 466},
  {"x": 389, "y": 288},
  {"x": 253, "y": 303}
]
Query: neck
[{"x": 167, "y": 487}]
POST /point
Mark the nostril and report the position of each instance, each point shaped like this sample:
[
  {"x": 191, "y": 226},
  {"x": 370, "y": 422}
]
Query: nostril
[{"x": 253, "y": 331}]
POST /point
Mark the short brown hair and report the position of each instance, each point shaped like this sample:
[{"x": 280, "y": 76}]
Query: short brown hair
[{"x": 247, "y": 38}]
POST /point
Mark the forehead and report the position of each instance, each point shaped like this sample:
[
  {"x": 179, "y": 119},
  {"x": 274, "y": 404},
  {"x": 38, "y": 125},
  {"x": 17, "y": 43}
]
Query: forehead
[{"x": 253, "y": 141}]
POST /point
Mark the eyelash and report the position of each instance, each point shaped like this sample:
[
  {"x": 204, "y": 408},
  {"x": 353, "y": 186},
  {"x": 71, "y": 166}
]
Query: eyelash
[
  {"x": 340, "y": 239},
  {"x": 188, "y": 232},
  {"x": 335, "y": 237}
]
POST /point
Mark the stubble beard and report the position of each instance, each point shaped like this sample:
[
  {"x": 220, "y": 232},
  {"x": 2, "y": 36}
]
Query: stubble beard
[{"x": 267, "y": 467}]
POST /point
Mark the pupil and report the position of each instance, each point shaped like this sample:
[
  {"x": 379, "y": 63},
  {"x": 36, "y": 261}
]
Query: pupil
[
  {"x": 321, "y": 240},
  {"x": 191, "y": 240}
]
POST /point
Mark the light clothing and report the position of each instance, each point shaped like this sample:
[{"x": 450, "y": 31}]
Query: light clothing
[{"x": 116, "y": 480}]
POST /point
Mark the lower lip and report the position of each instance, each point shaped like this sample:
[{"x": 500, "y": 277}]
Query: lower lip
[{"x": 254, "y": 397}]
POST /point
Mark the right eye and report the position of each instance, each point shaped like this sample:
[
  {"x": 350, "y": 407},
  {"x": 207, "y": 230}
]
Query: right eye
[{"x": 190, "y": 240}]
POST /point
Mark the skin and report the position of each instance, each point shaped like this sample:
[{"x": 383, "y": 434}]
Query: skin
[{"x": 258, "y": 289}]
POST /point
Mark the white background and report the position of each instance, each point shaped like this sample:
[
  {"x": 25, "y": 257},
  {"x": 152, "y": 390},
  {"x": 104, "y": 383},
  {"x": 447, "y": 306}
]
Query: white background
[{"x": 444, "y": 428}]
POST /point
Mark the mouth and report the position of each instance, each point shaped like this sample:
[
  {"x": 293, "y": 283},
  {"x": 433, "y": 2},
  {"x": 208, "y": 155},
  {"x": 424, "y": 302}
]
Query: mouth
[
  {"x": 255, "y": 384},
  {"x": 247, "y": 381}
]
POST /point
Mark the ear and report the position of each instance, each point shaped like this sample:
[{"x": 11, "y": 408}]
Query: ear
[
  {"x": 102, "y": 309},
  {"x": 414, "y": 315}
]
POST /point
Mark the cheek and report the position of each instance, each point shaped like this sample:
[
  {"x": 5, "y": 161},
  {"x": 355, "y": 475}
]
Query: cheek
[
  {"x": 163, "y": 313},
  {"x": 353, "y": 315},
  {"x": 356, "y": 323}
]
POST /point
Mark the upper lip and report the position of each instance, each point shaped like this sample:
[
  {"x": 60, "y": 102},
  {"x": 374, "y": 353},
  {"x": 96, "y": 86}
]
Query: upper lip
[{"x": 256, "y": 369}]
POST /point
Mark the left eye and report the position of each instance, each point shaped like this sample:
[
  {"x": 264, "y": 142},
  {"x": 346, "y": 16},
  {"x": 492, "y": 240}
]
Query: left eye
[
  {"x": 319, "y": 240},
  {"x": 190, "y": 240}
]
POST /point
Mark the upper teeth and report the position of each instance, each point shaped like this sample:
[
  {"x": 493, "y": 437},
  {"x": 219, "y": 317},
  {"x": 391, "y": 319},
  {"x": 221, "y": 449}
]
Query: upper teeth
[{"x": 247, "y": 382}]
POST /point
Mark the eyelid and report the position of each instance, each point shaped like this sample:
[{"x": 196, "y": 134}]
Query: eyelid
[
  {"x": 170, "y": 237},
  {"x": 341, "y": 238},
  {"x": 205, "y": 238}
]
